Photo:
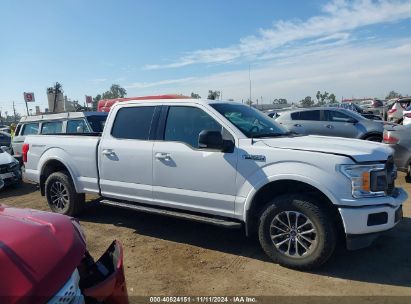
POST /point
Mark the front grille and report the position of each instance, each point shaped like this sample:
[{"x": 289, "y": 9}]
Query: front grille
[
  {"x": 70, "y": 293},
  {"x": 8, "y": 168},
  {"x": 4, "y": 168}
]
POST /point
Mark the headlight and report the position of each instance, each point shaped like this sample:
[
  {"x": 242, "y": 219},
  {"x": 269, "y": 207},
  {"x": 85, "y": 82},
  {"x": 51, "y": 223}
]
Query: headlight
[{"x": 366, "y": 180}]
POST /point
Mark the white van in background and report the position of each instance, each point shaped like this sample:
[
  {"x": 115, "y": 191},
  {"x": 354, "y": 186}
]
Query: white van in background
[{"x": 67, "y": 123}]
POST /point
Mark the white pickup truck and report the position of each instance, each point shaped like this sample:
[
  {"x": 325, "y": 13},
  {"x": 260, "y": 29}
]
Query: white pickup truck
[{"x": 226, "y": 164}]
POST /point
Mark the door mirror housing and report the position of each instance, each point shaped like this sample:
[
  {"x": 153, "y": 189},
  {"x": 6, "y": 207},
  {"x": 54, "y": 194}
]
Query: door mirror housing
[{"x": 214, "y": 140}]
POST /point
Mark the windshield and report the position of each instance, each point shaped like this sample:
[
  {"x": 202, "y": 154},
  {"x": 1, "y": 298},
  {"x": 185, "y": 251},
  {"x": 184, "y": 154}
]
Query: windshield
[
  {"x": 97, "y": 122},
  {"x": 250, "y": 121}
]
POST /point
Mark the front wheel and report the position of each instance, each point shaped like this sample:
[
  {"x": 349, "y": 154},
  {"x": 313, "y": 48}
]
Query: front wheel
[
  {"x": 296, "y": 232},
  {"x": 62, "y": 196}
]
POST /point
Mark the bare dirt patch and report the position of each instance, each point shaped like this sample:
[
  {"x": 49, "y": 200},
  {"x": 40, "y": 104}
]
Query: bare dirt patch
[{"x": 165, "y": 256}]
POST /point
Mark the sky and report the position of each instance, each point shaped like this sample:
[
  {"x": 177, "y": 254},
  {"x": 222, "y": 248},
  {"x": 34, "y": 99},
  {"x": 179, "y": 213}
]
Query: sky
[{"x": 352, "y": 48}]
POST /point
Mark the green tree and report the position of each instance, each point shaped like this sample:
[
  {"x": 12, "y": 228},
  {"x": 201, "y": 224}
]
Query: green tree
[
  {"x": 307, "y": 102},
  {"x": 195, "y": 95},
  {"x": 116, "y": 91},
  {"x": 393, "y": 94},
  {"x": 213, "y": 95},
  {"x": 280, "y": 101},
  {"x": 324, "y": 98},
  {"x": 318, "y": 96},
  {"x": 332, "y": 98},
  {"x": 95, "y": 101}
]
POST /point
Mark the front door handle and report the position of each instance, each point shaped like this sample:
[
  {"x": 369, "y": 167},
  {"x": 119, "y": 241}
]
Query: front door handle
[
  {"x": 329, "y": 126},
  {"x": 108, "y": 152},
  {"x": 298, "y": 125},
  {"x": 162, "y": 156}
]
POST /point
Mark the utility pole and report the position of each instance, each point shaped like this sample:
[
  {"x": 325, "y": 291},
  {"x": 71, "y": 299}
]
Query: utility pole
[
  {"x": 27, "y": 108},
  {"x": 249, "y": 78},
  {"x": 14, "y": 112}
]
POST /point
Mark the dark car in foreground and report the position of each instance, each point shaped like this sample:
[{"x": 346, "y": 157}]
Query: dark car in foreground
[
  {"x": 399, "y": 138},
  {"x": 332, "y": 122},
  {"x": 44, "y": 259}
]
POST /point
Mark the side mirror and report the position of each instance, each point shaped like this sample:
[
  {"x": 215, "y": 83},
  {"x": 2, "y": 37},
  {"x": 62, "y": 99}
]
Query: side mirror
[
  {"x": 4, "y": 148},
  {"x": 214, "y": 140}
]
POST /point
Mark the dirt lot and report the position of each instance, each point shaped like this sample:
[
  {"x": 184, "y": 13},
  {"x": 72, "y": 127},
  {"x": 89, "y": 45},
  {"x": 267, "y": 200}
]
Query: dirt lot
[{"x": 165, "y": 256}]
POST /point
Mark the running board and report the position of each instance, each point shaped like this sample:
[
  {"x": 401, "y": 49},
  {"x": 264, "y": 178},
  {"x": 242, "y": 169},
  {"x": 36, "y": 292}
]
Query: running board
[{"x": 176, "y": 214}]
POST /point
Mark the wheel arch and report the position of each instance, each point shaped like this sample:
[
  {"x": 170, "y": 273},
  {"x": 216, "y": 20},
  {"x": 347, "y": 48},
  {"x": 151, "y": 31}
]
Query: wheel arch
[
  {"x": 49, "y": 167},
  {"x": 275, "y": 188},
  {"x": 373, "y": 133}
]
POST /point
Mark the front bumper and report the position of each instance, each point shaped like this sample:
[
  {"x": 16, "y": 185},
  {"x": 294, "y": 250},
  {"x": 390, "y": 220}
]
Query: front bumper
[
  {"x": 363, "y": 224},
  {"x": 96, "y": 282},
  {"x": 11, "y": 178}
]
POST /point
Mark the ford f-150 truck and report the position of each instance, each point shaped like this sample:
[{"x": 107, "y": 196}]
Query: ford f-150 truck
[{"x": 226, "y": 164}]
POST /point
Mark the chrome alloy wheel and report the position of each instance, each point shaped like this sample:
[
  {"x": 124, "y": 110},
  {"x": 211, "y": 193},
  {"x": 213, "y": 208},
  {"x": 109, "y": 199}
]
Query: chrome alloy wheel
[
  {"x": 59, "y": 195},
  {"x": 293, "y": 234}
]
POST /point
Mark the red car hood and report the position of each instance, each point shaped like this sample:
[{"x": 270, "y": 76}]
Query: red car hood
[{"x": 38, "y": 253}]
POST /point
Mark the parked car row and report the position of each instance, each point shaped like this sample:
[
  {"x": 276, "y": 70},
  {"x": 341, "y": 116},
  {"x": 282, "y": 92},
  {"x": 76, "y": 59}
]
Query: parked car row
[
  {"x": 67, "y": 123},
  {"x": 332, "y": 122},
  {"x": 396, "y": 112}
]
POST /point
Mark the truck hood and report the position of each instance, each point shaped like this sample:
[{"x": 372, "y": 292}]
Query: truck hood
[
  {"x": 359, "y": 150},
  {"x": 38, "y": 253}
]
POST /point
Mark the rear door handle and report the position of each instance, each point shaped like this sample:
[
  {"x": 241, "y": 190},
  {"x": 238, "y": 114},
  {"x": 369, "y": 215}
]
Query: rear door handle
[
  {"x": 108, "y": 152},
  {"x": 329, "y": 126},
  {"x": 298, "y": 125},
  {"x": 162, "y": 156}
]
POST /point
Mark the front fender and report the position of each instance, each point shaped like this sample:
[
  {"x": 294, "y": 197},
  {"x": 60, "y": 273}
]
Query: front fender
[{"x": 326, "y": 180}]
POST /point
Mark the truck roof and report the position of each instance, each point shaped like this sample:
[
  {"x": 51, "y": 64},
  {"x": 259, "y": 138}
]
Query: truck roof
[
  {"x": 104, "y": 105},
  {"x": 56, "y": 116},
  {"x": 181, "y": 100}
]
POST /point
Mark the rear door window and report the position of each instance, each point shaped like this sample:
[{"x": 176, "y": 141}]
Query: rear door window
[
  {"x": 31, "y": 128},
  {"x": 336, "y": 116},
  {"x": 306, "y": 115},
  {"x": 52, "y": 127},
  {"x": 133, "y": 123}
]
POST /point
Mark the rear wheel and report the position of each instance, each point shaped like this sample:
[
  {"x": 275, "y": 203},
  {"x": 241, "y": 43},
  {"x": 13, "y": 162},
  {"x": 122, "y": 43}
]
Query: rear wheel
[
  {"x": 62, "y": 196},
  {"x": 296, "y": 232}
]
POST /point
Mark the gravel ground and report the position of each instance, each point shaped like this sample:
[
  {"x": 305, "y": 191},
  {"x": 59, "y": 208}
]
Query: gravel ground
[{"x": 165, "y": 256}]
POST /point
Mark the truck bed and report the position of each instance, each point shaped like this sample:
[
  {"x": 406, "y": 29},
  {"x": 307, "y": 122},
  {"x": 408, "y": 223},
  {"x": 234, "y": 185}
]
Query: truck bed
[{"x": 75, "y": 151}]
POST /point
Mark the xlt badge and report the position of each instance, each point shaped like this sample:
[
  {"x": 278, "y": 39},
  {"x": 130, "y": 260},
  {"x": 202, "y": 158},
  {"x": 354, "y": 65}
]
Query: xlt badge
[{"x": 254, "y": 157}]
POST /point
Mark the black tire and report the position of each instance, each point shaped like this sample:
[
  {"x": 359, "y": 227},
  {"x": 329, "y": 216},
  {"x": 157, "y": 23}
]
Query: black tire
[
  {"x": 325, "y": 237},
  {"x": 62, "y": 196},
  {"x": 375, "y": 138}
]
